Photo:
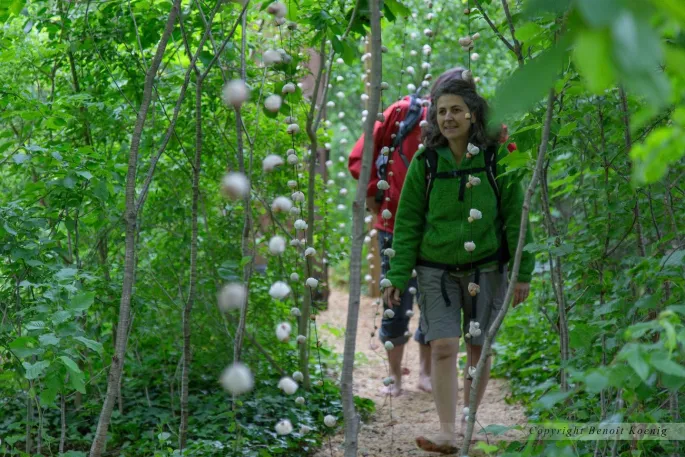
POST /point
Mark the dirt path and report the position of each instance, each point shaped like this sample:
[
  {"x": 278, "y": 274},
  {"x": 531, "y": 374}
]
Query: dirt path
[{"x": 414, "y": 411}]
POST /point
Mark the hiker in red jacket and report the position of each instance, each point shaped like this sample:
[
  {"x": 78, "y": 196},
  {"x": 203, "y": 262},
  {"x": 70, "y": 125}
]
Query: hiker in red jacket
[{"x": 394, "y": 329}]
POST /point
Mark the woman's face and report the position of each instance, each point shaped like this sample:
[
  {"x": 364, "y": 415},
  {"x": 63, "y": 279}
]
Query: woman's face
[{"x": 452, "y": 117}]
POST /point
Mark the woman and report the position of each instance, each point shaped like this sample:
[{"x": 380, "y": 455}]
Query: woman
[{"x": 459, "y": 234}]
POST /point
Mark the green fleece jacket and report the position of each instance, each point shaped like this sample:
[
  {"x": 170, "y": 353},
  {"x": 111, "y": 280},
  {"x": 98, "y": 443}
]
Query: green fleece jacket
[{"x": 440, "y": 234}]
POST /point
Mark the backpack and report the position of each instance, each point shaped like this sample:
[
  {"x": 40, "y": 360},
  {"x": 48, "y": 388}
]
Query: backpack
[
  {"x": 431, "y": 157},
  {"x": 406, "y": 126}
]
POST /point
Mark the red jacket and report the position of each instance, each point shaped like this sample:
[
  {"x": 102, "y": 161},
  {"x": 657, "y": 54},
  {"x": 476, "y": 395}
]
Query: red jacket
[{"x": 382, "y": 137}]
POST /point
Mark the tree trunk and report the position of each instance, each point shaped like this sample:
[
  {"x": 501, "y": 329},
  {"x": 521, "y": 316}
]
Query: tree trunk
[
  {"x": 130, "y": 216},
  {"x": 489, "y": 335},
  {"x": 350, "y": 414},
  {"x": 187, "y": 356},
  {"x": 247, "y": 225}
]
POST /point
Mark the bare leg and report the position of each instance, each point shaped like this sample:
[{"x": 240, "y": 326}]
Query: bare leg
[
  {"x": 425, "y": 368},
  {"x": 445, "y": 384},
  {"x": 395, "y": 361},
  {"x": 472, "y": 357}
]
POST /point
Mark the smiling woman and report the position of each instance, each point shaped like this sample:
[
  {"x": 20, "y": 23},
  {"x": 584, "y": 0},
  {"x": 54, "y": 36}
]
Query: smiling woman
[{"x": 460, "y": 235}]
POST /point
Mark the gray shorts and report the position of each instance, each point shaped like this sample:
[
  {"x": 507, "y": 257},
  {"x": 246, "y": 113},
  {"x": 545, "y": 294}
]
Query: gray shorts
[{"x": 438, "y": 320}]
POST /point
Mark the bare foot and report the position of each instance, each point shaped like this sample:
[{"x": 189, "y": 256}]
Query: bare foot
[
  {"x": 425, "y": 384},
  {"x": 442, "y": 446},
  {"x": 392, "y": 389}
]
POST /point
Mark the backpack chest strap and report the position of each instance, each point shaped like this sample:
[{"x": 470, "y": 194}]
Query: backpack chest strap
[{"x": 463, "y": 174}]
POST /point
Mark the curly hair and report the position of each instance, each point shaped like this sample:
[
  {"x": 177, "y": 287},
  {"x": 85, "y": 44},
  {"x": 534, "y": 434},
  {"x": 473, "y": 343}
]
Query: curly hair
[{"x": 451, "y": 82}]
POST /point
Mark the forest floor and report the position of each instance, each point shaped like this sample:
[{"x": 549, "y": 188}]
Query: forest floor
[{"x": 413, "y": 412}]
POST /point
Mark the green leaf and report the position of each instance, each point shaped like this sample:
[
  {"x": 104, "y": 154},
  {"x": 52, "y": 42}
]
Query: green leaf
[
  {"x": 55, "y": 123},
  {"x": 552, "y": 398},
  {"x": 536, "y": 7},
  {"x": 86, "y": 174},
  {"x": 35, "y": 325},
  {"x": 599, "y": 13},
  {"x": 61, "y": 316},
  {"x": 82, "y": 301},
  {"x": 673, "y": 8},
  {"x": 528, "y": 84},
  {"x": 568, "y": 129},
  {"x": 49, "y": 339},
  {"x": 70, "y": 364},
  {"x": 397, "y": 8},
  {"x": 20, "y": 158},
  {"x": 632, "y": 353},
  {"x": 25, "y": 346},
  {"x": 527, "y": 31},
  {"x": 90, "y": 344},
  {"x": 485, "y": 447},
  {"x": 66, "y": 274},
  {"x": 515, "y": 160},
  {"x": 595, "y": 382},
  {"x": 669, "y": 367},
  {"x": 675, "y": 258},
  {"x": 592, "y": 56},
  {"x": 34, "y": 370}
]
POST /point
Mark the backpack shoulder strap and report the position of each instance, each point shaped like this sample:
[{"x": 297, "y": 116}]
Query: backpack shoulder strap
[
  {"x": 410, "y": 120},
  {"x": 430, "y": 156},
  {"x": 491, "y": 171}
]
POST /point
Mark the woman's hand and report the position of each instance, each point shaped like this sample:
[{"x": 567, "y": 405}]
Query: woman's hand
[
  {"x": 521, "y": 292},
  {"x": 391, "y": 296}
]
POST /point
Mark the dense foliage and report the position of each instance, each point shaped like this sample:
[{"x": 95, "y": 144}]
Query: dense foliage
[{"x": 601, "y": 336}]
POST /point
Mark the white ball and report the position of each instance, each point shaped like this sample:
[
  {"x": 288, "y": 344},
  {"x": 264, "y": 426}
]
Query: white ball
[
  {"x": 277, "y": 245},
  {"x": 298, "y": 376},
  {"x": 385, "y": 282},
  {"x": 312, "y": 283},
  {"x": 271, "y": 57},
  {"x": 389, "y": 346},
  {"x": 281, "y": 205},
  {"x": 386, "y": 214},
  {"x": 288, "y": 88},
  {"x": 235, "y": 93},
  {"x": 329, "y": 421},
  {"x": 283, "y": 331},
  {"x": 273, "y": 103},
  {"x": 237, "y": 379},
  {"x": 270, "y": 162},
  {"x": 279, "y": 290},
  {"x": 287, "y": 385},
  {"x": 389, "y": 314},
  {"x": 300, "y": 401},
  {"x": 295, "y": 312},
  {"x": 284, "y": 427},
  {"x": 234, "y": 185},
  {"x": 232, "y": 296}
]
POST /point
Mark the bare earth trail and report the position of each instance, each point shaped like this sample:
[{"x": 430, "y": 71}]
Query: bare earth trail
[{"x": 413, "y": 412}]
